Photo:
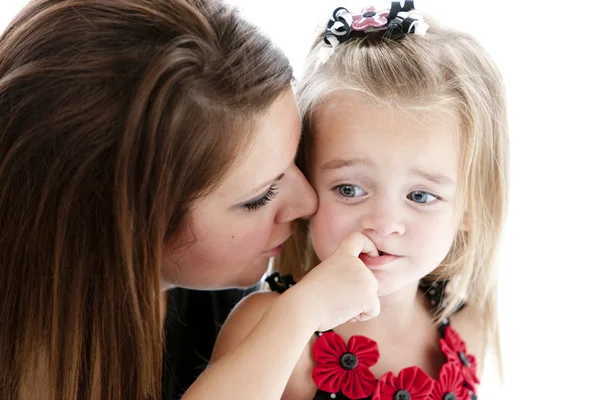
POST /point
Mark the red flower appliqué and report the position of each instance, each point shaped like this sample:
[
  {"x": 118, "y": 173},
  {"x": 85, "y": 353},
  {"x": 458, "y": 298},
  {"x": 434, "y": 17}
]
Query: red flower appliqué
[
  {"x": 449, "y": 385},
  {"x": 369, "y": 18},
  {"x": 345, "y": 368},
  {"x": 411, "y": 384},
  {"x": 456, "y": 352}
]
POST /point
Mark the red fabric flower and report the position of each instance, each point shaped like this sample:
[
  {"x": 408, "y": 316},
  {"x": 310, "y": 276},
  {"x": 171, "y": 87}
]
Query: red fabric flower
[
  {"x": 456, "y": 352},
  {"x": 451, "y": 381},
  {"x": 368, "y": 17},
  {"x": 345, "y": 368},
  {"x": 412, "y": 380}
]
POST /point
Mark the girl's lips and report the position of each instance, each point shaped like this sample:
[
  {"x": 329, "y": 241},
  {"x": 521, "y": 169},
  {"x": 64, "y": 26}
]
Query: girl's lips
[{"x": 374, "y": 262}]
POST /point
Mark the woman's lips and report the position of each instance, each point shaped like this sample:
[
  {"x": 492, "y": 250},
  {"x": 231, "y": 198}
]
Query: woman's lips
[
  {"x": 375, "y": 262},
  {"x": 274, "y": 252}
]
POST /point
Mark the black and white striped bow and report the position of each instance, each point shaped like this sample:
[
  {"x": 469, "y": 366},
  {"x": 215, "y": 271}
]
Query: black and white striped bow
[{"x": 399, "y": 20}]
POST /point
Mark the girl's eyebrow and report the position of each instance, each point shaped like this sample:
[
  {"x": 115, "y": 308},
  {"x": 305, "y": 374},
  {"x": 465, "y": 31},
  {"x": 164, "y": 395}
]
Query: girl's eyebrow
[
  {"x": 346, "y": 162},
  {"x": 440, "y": 179}
]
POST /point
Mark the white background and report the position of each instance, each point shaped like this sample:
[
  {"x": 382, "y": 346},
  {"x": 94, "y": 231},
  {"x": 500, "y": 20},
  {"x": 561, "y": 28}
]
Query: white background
[{"x": 548, "y": 52}]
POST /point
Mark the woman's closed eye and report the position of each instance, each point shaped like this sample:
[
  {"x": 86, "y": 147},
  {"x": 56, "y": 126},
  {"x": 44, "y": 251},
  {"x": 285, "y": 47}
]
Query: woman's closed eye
[
  {"x": 422, "y": 197},
  {"x": 350, "y": 191},
  {"x": 255, "y": 205}
]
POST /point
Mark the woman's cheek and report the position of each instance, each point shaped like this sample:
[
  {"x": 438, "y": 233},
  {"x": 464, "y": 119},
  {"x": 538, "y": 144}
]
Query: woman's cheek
[
  {"x": 254, "y": 236},
  {"x": 234, "y": 244}
]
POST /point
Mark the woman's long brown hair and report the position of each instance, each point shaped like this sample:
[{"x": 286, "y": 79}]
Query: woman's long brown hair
[{"x": 114, "y": 116}]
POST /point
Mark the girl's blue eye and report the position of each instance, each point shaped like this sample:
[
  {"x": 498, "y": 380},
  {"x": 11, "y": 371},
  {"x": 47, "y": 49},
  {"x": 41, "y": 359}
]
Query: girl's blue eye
[
  {"x": 421, "y": 197},
  {"x": 350, "y": 190}
]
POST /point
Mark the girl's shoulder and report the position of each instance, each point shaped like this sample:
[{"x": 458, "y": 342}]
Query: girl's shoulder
[
  {"x": 242, "y": 319},
  {"x": 466, "y": 319},
  {"x": 467, "y": 323},
  {"x": 246, "y": 314}
]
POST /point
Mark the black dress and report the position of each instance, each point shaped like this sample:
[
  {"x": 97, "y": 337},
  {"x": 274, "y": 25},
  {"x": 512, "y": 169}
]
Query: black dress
[{"x": 193, "y": 321}]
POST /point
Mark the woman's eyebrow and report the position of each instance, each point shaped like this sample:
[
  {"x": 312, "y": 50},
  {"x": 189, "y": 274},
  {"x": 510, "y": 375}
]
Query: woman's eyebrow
[{"x": 264, "y": 185}]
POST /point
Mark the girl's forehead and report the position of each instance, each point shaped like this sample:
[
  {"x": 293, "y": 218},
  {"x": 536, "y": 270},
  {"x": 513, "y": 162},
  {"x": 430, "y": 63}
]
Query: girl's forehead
[
  {"x": 347, "y": 102},
  {"x": 388, "y": 139},
  {"x": 356, "y": 114}
]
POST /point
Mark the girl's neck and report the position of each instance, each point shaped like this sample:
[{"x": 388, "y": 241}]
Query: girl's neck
[{"x": 400, "y": 312}]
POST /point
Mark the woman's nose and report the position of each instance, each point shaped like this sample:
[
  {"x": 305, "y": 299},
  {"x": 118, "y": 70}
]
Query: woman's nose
[{"x": 302, "y": 201}]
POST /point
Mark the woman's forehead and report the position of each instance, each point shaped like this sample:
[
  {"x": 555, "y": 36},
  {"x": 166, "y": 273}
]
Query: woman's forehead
[{"x": 270, "y": 151}]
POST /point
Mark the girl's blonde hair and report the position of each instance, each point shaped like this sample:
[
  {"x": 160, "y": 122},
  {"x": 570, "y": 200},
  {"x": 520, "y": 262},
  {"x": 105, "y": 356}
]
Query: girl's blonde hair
[{"x": 443, "y": 70}]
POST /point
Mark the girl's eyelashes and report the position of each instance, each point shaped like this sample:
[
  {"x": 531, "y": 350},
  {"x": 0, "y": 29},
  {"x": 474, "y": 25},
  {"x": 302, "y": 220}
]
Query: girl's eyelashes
[
  {"x": 349, "y": 191},
  {"x": 422, "y": 197}
]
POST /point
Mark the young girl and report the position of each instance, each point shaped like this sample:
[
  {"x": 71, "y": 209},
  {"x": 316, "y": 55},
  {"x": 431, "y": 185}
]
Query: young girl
[{"x": 405, "y": 140}]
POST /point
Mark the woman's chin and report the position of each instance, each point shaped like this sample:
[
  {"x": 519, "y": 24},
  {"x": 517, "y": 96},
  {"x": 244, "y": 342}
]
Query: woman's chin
[
  {"x": 246, "y": 283},
  {"x": 250, "y": 278}
]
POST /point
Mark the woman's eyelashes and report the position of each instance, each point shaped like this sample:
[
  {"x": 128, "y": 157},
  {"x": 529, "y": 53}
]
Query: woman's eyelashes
[{"x": 257, "y": 204}]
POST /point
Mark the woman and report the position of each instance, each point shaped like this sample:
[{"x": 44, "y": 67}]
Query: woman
[{"x": 146, "y": 145}]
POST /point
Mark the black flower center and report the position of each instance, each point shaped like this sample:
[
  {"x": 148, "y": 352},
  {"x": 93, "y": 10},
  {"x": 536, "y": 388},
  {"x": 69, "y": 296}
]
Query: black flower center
[
  {"x": 369, "y": 14},
  {"x": 348, "y": 361},
  {"x": 402, "y": 395},
  {"x": 449, "y": 396}
]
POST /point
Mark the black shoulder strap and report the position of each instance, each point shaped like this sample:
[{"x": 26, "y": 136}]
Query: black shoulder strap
[
  {"x": 435, "y": 292},
  {"x": 280, "y": 283}
]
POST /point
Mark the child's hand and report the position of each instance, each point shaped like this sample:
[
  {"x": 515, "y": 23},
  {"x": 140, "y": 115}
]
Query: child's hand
[{"x": 342, "y": 288}]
